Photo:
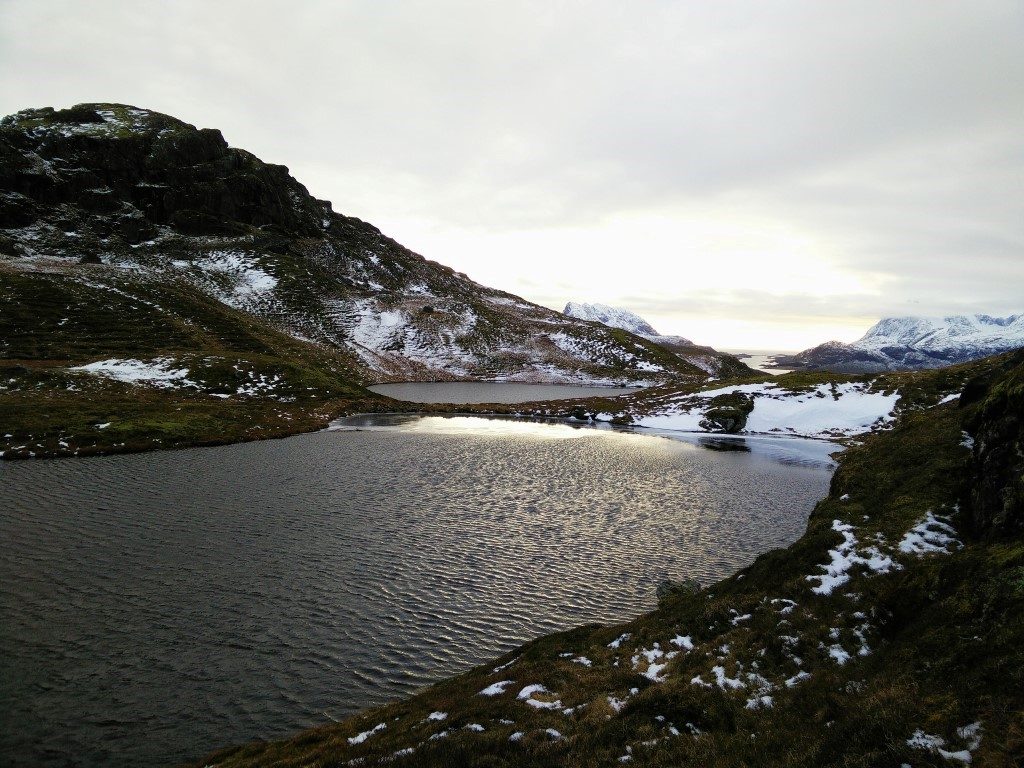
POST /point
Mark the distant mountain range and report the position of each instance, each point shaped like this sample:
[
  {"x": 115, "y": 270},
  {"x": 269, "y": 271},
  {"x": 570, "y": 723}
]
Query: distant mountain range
[
  {"x": 910, "y": 343},
  {"x": 174, "y": 235}
]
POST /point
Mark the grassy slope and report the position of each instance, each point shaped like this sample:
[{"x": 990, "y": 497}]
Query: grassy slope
[
  {"x": 53, "y": 321},
  {"x": 945, "y": 634}
]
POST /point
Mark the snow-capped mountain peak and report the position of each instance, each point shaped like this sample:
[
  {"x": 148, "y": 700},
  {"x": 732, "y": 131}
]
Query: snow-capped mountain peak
[
  {"x": 614, "y": 317},
  {"x": 945, "y": 333},
  {"x": 905, "y": 343}
]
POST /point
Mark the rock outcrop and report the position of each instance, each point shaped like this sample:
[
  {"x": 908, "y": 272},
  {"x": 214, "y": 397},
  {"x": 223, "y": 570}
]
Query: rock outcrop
[{"x": 997, "y": 432}]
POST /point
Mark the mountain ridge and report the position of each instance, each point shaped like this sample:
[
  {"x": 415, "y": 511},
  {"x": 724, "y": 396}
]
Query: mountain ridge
[
  {"x": 912, "y": 343},
  {"x": 145, "y": 198}
]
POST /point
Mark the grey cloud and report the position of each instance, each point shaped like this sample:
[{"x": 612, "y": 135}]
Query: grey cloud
[{"x": 894, "y": 132}]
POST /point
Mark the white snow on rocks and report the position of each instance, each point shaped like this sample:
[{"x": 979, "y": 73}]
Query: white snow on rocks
[
  {"x": 848, "y": 410},
  {"x": 159, "y": 372},
  {"x": 932, "y": 534},
  {"x": 376, "y": 328}
]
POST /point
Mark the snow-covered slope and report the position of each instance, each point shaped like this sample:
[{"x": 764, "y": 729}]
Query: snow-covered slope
[{"x": 904, "y": 343}]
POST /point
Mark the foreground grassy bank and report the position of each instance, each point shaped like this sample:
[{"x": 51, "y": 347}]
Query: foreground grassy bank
[{"x": 891, "y": 633}]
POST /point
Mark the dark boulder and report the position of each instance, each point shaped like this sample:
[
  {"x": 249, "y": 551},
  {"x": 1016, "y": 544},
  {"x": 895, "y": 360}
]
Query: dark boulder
[{"x": 728, "y": 413}]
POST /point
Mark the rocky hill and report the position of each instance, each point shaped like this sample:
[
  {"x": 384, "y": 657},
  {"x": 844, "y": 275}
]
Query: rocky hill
[
  {"x": 912, "y": 343},
  {"x": 113, "y": 204}
]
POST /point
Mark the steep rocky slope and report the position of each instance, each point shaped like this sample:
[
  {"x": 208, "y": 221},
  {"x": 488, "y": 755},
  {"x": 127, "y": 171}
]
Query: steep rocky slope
[
  {"x": 912, "y": 343},
  {"x": 889, "y": 634},
  {"x": 129, "y": 202}
]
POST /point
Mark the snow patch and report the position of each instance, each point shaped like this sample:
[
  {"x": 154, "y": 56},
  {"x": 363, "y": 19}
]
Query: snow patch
[
  {"x": 159, "y": 372},
  {"x": 526, "y": 695},
  {"x": 360, "y": 738},
  {"x": 845, "y": 557},
  {"x": 243, "y": 270},
  {"x": 495, "y": 689},
  {"x": 932, "y": 534},
  {"x": 969, "y": 734},
  {"x": 619, "y": 640}
]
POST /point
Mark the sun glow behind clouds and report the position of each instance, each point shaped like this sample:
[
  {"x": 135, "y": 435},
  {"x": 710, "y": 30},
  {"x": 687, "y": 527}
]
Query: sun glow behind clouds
[{"x": 692, "y": 273}]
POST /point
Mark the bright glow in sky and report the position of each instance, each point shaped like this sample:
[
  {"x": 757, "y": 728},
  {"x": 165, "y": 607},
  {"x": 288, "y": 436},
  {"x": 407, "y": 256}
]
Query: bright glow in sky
[
  {"x": 749, "y": 175},
  {"x": 691, "y": 259}
]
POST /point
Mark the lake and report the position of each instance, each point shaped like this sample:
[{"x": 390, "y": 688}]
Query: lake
[
  {"x": 157, "y": 606},
  {"x": 760, "y": 360}
]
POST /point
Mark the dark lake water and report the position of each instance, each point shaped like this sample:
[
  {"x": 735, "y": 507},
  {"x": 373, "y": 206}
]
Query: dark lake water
[
  {"x": 490, "y": 392},
  {"x": 156, "y": 606}
]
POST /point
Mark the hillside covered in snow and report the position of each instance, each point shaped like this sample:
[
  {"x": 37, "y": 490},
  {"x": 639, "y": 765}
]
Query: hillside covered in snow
[
  {"x": 106, "y": 205},
  {"x": 909, "y": 343}
]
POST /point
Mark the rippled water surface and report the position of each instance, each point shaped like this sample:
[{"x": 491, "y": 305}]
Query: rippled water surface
[{"x": 159, "y": 605}]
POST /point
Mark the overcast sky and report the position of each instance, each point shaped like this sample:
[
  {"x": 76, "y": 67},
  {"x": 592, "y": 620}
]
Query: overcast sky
[{"x": 748, "y": 174}]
